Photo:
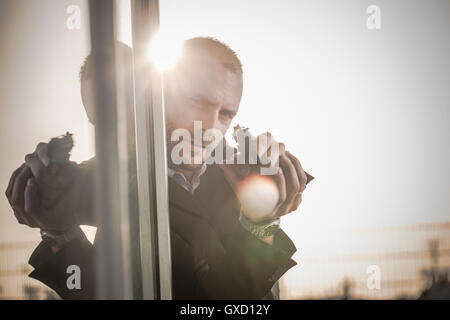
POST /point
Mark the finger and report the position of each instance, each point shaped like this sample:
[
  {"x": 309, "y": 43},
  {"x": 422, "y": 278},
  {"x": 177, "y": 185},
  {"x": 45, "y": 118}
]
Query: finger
[
  {"x": 295, "y": 204},
  {"x": 267, "y": 150},
  {"x": 281, "y": 184},
  {"x": 41, "y": 151},
  {"x": 275, "y": 150},
  {"x": 264, "y": 141},
  {"x": 19, "y": 186},
  {"x": 274, "y": 153},
  {"x": 240, "y": 166},
  {"x": 303, "y": 179},
  {"x": 36, "y": 165},
  {"x": 32, "y": 222},
  {"x": 23, "y": 218},
  {"x": 31, "y": 198},
  {"x": 242, "y": 170},
  {"x": 19, "y": 216},
  {"x": 31, "y": 204},
  {"x": 290, "y": 174},
  {"x": 292, "y": 186},
  {"x": 285, "y": 208},
  {"x": 9, "y": 189}
]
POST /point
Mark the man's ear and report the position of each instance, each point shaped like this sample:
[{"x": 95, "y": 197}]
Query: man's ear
[{"x": 87, "y": 99}]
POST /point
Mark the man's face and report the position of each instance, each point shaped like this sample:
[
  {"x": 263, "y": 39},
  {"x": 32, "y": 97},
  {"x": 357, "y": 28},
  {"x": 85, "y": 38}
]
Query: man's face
[{"x": 203, "y": 91}]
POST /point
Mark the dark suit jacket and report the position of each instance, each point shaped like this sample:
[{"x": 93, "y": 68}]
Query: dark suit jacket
[{"x": 213, "y": 257}]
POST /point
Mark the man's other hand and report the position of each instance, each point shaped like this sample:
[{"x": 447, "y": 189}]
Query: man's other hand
[
  {"x": 290, "y": 180},
  {"x": 52, "y": 200}
]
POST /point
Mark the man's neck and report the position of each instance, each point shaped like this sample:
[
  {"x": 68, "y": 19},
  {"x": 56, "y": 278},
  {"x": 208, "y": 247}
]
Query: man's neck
[
  {"x": 187, "y": 178},
  {"x": 188, "y": 173}
]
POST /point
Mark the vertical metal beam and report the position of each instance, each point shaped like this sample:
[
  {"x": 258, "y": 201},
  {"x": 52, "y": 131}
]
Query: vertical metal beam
[
  {"x": 147, "y": 230},
  {"x": 109, "y": 263},
  {"x": 151, "y": 157},
  {"x": 162, "y": 192}
]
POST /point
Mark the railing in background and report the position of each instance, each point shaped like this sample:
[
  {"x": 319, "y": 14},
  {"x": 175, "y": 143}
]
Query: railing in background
[
  {"x": 14, "y": 270},
  {"x": 407, "y": 269},
  {"x": 404, "y": 274}
]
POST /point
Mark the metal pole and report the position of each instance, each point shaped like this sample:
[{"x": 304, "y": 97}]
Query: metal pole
[
  {"x": 109, "y": 253},
  {"x": 151, "y": 157}
]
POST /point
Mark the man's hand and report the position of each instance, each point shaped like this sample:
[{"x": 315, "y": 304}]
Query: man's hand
[
  {"x": 290, "y": 179},
  {"x": 49, "y": 199}
]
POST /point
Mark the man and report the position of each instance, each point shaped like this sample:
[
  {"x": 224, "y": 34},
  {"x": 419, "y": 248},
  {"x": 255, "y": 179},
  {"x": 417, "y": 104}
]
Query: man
[{"x": 220, "y": 250}]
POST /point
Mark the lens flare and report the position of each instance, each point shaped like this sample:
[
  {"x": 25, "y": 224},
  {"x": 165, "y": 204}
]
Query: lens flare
[
  {"x": 165, "y": 50},
  {"x": 258, "y": 196}
]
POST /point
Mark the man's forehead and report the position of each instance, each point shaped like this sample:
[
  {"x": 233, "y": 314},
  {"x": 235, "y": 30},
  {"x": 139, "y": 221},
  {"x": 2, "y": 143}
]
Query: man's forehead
[{"x": 209, "y": 80}]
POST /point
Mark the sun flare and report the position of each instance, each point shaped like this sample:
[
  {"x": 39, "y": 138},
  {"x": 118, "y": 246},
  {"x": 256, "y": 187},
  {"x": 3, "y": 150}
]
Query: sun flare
[{"x": 165, "y": 50}]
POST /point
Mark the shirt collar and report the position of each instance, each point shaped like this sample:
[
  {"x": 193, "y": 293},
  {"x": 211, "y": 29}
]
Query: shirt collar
[{"x": 181, "y": 179}]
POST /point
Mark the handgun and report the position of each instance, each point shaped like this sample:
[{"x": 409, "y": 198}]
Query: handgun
[
  {"x": 58, "y": 151},
  {"x": 240, "y": 130}
]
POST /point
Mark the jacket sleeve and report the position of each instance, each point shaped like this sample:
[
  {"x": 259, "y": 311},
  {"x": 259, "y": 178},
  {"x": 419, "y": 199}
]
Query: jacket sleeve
[
  {"x": 52, "y": 268},
  {"x": 262, "y": 263},
  {"x": 253, "y": 265},
  {"x": 243, "y": 267}
]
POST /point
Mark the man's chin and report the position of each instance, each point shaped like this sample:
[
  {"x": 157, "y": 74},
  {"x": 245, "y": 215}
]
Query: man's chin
[{"x": 190, "y": 162}]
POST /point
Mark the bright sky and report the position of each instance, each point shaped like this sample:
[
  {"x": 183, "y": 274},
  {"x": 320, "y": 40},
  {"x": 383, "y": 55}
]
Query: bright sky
[{"x": 366, "y": 112}]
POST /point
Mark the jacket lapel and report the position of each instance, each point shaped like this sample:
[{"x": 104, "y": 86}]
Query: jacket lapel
[
  {"x": 218, "y": 198},
  {"x": 184, "y": 201},
  {"x": 214, "y": 200}
]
